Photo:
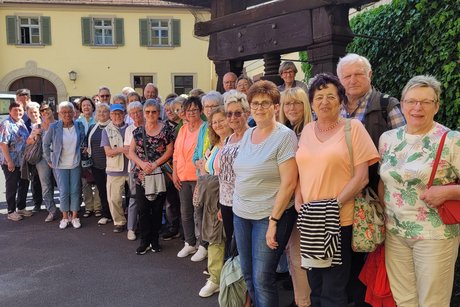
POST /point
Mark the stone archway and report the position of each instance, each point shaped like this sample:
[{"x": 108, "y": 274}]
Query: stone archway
[{"x": 31, "y": 70}]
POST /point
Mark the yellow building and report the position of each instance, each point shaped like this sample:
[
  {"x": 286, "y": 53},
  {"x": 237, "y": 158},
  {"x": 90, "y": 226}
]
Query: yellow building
[{"x": 66, "y": 48}]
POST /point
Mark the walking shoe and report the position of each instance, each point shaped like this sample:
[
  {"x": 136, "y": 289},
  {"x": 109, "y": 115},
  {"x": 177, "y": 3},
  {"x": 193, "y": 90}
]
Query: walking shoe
[
  {"x": 119, "y": 228},
  {"x": 97, "y": 213},
  {"x": 87, "y": 213},
  {"x": 186, "y": 250},
  {"x": 206, "y": 271},
  {"x": 37, "y": 208},
  {"x": 63, "y": 223},
  {"x": 156, "y": 248},
  {"x": 50, "y": 217},
  {"x": 131, "y": 235},
  {"x": 143, "y": 248},
  {"x": 200, "y": 255},
  {"x": 169, "y": 235},
  {"x": 209, "y": 289},
  {"x": 14, "y": 216},
  {"x": 76, "y": 223},
  {"x": 104, "y": 221},
  {"x": 25, "y": 213}
]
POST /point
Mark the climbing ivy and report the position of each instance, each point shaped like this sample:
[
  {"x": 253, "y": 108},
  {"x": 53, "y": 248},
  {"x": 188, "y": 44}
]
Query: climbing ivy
[{"x": 413, "y": 37}]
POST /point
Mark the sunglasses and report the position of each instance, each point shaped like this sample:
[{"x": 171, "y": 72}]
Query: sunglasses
[
  {"x": 43, "y": 110},
  {"x": 24, "y": 94},
  {"x": 237, "y": 114},
  {"x": 104, "y": 96}
]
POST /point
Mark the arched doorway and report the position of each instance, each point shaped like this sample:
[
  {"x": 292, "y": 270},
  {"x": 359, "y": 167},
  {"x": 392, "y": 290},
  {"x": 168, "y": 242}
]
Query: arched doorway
[{"x": 41, "y": 89}]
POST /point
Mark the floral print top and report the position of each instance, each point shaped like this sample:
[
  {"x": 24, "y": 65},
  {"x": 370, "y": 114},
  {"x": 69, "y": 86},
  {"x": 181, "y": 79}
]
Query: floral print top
[
  {"x": 405, "y": 168},
  {"x": 14, "y": 134},
  {"x": 155, "y": 145}
]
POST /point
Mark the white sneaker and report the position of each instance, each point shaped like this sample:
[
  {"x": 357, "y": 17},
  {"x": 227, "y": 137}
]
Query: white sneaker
[
  {"x": 14, "y": 216},
  {"x": 76, "y": 223},
  {"x": 63, "y": 223},
  {"x": 131, "y": 235},
  {"x": 200, "y": 255},
  {"x": 104, "y": 221},
  {"x": 186, "y": 250},
  {"x": 209, "y": 289}
]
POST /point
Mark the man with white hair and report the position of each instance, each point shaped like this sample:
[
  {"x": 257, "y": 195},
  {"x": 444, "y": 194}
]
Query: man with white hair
[{"x": 378, "y": 112}]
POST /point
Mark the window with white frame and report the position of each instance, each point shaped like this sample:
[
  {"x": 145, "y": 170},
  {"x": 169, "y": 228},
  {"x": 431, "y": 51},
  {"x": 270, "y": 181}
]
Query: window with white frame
[
  {"x": 103, "y": 31},
  {"x": 28, "y": 30},
  {"x": 159, "y": 32},
  {"x": 183, "y": 83}
]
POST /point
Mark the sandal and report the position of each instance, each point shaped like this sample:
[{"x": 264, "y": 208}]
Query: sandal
[
  {"x": 97, "y": 213},
  {"x": 87, "y": 213}
]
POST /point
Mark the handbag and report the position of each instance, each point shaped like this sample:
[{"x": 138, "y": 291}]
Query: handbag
[
  {"x": 33, "y": 152},
  {"x": 449, "y": 211},
  {"x": 368, "y": 217},
  {"x": 153, "y": 183}
]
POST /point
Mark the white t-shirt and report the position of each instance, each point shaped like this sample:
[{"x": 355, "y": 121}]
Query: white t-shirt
[
  {"x": 128, "y": 138},
  {"x": 257, "y": 177},
  {"x": 68, "y": 158}
]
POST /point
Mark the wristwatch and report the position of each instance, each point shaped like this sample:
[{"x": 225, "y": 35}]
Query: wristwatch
[{"x": 271, "y": 218}]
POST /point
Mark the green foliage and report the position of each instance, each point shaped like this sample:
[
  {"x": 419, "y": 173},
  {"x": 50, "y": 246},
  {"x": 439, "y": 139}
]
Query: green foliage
[
  {"x": 306, "y": 67},
  {"x": 418, "y": 37}
]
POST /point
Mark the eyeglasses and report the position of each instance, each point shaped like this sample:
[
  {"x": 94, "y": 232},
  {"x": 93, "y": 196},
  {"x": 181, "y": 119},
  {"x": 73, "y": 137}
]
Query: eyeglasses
[
  {"x": 236, "y": 113},
  {"x": 211, "y": 106},
  {"x": 218, "y": 122},
  {"x": 150, "y": 112},
  {"x": 177, "y": 111},
  {"x": 263, "y": 104},
  {"x": 423, "y": 103},
  {"x": 190, "y": 111},
  {"x": 294, "y": 103},
  {"x": 23, "y": 94},
  {"x": 288, "y": 72},
  {"x": 135, "y": 112},
  {"x": 329, "y": 98},
  {"x": 43, "y": 110},
  {"x": 104, "y": 96}
]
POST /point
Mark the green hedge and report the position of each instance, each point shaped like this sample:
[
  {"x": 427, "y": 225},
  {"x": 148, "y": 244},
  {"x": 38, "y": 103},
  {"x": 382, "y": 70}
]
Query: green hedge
[{"x": 412, "y": 38}]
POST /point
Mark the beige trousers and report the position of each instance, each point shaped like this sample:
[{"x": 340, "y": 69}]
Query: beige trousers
[
  {"x": 115, "y": 192},
  {"x": 90, "y": 196},
  {"x": 421, "y": 272},
  {"x": 298, "y": 274}
]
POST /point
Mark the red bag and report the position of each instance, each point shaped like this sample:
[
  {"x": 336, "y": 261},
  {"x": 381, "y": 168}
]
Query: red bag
[{"x": 449, "y": 211}]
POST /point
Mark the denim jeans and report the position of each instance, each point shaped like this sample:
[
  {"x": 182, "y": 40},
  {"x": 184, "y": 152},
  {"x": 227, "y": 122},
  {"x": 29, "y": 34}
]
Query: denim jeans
[
  {"x": 46, "y": 181},
  {"x": 132, "y": 203},
  {"x": 69, "y": 184},
  {"x": 258, "y": 261},
  {"x": 15, "y": 185}
]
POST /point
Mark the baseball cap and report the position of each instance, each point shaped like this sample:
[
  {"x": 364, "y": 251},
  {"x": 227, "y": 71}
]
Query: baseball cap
[{"x": 116, "y": 107}]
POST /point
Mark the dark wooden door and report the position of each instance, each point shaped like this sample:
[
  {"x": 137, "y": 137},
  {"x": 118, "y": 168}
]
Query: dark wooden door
[{"x": 40, "y": 89}]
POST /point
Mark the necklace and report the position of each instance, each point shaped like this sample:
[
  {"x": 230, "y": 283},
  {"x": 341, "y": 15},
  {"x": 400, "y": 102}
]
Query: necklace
[{"x": 328, "y": 128}]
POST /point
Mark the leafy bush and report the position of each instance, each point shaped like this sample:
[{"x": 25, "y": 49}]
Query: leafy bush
[{"x": 410, "y": 38}]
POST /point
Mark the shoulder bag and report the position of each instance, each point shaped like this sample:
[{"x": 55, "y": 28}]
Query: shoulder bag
[
  {"x": 368, "y": 218},
  {"x": 449, "y": 211}
]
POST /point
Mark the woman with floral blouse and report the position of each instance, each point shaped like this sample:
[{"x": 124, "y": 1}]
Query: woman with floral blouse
[{"x": 420, "y": 251}]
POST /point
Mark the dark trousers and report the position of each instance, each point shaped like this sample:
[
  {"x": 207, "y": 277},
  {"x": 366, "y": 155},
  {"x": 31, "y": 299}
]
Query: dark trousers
[
  {"x": 100, "y": 178},
  {"x": 356, "y": 289},
  {"x": 15, "y": 185},
  {"x": 329, "y": 285},
  {"x": 227, "y": 218},
  {"x": 35, "y": 186},
  {"x": 150, "y": 215},
  {"x": 172, "y": 206}
]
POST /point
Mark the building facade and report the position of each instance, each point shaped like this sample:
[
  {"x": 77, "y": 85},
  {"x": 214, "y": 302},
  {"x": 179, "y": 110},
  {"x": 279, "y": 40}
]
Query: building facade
[{"x": 64, "y": 49}]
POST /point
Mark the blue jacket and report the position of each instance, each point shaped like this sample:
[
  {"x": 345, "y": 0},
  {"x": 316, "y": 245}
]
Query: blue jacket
[{"x": 52, "y": 142}]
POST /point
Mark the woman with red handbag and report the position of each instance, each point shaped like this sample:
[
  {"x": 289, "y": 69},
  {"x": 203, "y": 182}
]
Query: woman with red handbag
[{"x": 420, "y": 249}]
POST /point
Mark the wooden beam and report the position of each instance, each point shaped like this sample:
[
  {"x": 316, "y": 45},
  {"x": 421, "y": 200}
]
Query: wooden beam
[{"x": 247, "y": 17}]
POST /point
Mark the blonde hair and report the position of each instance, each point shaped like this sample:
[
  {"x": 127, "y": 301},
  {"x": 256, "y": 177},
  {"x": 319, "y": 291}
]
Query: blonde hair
[{"x": 296, "y": 94}]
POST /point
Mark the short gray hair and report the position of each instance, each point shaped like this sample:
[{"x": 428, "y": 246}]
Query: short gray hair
[
  {"x": 134, "y": 105},
  {"x": 423, "y": 81},
  {"x": 103, "y": 105},
  {"x": 233, "y": 96},
  {"x": 213, "y": 96},
  {"x": 103, "y": 88},
  {"x": 119, "y": 97},
  {"x": 287, "y": 65},
  {"x": 353, "y": 58},
  {"x": 32, "y": 105},
  {"x": 65, "y": 104},
  {"x": 152, "y": 102}
]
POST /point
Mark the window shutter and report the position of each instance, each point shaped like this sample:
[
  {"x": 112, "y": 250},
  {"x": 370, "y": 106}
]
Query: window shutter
[
  {"x": 144, "y": 32},
  {"x": 86, "y": 31},
  {"x": 45, "y": 28},
  {"x": 119, "y": 32},
  {"x": 175, "y": 25},
  {"x": 11, "y": 30}
]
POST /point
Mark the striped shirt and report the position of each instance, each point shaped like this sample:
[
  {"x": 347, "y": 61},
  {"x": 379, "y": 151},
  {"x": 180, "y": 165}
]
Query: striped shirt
[{"x": 257, "y": 176}]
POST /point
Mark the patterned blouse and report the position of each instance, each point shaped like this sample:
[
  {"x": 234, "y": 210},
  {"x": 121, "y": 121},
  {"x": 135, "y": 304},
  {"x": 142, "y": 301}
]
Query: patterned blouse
[
  {"x": 155, "y": 145},
  {"x": 226, "y": 174},
  {"x": 406, "y": 164},
  {"x": 14, "y": 134}
]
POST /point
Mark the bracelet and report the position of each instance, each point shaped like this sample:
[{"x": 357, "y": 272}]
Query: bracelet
[{"x": 271, "y": 218}]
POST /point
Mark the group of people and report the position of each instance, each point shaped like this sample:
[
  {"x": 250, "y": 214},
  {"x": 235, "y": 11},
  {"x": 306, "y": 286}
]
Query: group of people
[{"x": 266, "y": 166}]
